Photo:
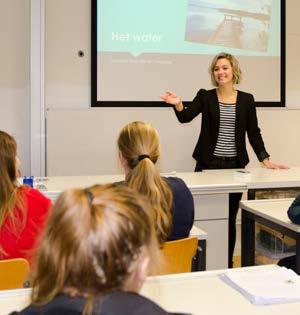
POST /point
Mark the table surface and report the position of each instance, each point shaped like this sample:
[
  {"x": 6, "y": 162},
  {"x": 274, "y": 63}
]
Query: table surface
[
  {"x": 274, "y": 210},
  {"x": 263, "y": 178},
  {"x": 205, "y": 293},
  {"x": 197, "y": 182},
  {"x": 207, "y": 181},
  {"x": 199, "y": 233},
  {"x": 195, "y": 293}
]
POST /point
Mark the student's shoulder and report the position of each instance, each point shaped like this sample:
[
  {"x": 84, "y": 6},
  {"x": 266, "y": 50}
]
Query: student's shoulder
[
  {"x": 127, "y": 303},
  {"x": 294, "y": 211},
  {"x": 37, "y": 196},
  {"x": 176, "y": 183},
  {"x": 34, "y": 196},
  {"x": 61, "y": 304},
  {"x": 28, "y": 311}
]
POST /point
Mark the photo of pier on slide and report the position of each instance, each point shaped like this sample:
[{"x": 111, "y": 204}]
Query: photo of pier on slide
[{"x": 242, "y": 24}]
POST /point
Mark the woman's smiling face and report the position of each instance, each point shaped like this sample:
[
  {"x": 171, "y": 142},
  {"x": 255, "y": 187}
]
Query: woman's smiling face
[{"x": 223, "y": 73}]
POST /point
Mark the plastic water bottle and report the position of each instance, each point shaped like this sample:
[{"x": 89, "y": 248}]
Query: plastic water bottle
[{"x": 28, "y": 180}]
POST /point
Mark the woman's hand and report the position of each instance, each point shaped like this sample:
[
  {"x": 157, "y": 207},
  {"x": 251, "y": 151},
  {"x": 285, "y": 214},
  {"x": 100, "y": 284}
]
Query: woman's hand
[
  {"x": 271, "y": 165},
  {"x": 173, "y": 99}
]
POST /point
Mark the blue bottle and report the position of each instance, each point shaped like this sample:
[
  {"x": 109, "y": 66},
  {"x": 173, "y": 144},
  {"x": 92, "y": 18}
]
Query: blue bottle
[{"x": 28, "y": 180}]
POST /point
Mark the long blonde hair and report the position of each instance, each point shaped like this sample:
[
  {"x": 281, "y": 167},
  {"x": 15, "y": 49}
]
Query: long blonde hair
[
  {"x": 92, "y": 238},
  {"x": 10, "y": 196},
  {"x": 139, "y": 145}
]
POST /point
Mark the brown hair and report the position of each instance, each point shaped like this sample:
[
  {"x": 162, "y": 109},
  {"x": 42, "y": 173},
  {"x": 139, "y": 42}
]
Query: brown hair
[
  {"x": 92, "y": 239},
  {"x": 10, "y": 196},
  {"x": 139, "y": 145},
  {"x": 236, "y": 70}
]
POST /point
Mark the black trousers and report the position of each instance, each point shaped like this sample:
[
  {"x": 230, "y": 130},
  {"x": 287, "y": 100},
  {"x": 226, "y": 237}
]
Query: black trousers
[{"x": 234, "y": 199}]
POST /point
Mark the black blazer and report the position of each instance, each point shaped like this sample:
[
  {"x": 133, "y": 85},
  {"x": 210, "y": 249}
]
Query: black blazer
[{"x": 206, "y": 102}]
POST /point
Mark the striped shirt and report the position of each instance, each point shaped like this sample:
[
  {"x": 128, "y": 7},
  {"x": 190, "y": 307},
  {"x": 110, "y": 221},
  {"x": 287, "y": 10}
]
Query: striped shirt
[{"x": 225, "y": 146}]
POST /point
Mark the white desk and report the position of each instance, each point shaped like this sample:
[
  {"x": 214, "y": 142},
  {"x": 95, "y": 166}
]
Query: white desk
[
  {"x": 211, "y": 196},
  {"x": 197, "y": 293},
  {"x": 262, "y": 178},
  {"x": 13, "y": 300},
  {"x": 271, "y": 213},
  {"x": 201, "y": 293},
  {"x": 210, "y": 190},
  {"x": 199, "y": 233}
]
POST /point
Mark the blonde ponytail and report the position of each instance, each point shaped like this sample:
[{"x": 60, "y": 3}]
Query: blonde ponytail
[{"x": 139, "y": 145}]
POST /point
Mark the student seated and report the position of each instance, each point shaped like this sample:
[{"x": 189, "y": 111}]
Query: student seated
[
  {"x": 23, "y": 210},
  {"x": 170, "y": 198},
  {"x": 294, "y": 216},
  {"x": 95, "y": 255}
]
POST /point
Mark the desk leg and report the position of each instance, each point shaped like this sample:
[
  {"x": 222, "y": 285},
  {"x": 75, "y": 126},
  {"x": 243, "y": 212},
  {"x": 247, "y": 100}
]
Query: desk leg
[
  {"x": 251, "y": 194},
  {"x": 199, "y": 263},
  {"x": 248, "y": 241},
  {"x": 298, "y": 255},
  {"x": 202, "y": 264}
]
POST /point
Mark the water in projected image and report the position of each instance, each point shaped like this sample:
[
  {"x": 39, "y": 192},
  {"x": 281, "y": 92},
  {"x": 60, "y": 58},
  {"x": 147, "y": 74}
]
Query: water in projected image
[{"x": 242, "y": 24}]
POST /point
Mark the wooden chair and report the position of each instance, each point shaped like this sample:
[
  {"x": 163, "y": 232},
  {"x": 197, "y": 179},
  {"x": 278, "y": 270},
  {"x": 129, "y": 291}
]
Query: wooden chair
[
  {"x": 13, "y": 273},
  {"x": 178, "y": 255}
]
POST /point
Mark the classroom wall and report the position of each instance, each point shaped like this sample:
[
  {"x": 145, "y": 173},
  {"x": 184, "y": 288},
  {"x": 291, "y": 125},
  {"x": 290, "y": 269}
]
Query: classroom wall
[
  {"x": 81, "y": 140},
  {"x": 14, "y": 75}
]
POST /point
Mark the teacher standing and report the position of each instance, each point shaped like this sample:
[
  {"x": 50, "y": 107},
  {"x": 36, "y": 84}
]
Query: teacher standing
[{"x": 227, "y": 115}]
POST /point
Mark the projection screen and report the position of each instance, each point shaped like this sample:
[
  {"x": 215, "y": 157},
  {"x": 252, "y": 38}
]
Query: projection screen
[{"x": 141, "y": 48}]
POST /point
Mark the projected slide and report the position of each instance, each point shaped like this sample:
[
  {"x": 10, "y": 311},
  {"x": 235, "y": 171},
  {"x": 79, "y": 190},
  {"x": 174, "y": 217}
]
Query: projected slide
[{"x": 146, "y": 47}]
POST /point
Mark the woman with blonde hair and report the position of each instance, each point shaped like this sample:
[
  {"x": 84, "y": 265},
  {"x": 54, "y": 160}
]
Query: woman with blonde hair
[
  {"x": 227, "y": 115},
  {"x": 171, "y": 200},
  {"x": 23, "y": 210},
  {"x": 95, "y": 255}
]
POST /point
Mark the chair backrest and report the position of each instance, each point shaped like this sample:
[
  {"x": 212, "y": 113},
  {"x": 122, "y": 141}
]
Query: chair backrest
[
  {"x": 13, "y": 273},
  {"x": 178, "y": 255}
]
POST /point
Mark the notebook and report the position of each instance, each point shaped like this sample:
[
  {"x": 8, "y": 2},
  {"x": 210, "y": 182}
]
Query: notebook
[{"x": 271, "y": 285}]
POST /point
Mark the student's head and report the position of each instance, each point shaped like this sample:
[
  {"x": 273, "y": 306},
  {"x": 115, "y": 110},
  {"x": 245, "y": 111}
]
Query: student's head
[
  {"x": 139, "y": 150},
  {"x": 8, "y": 157},
  {"x": 97, "y": 240},
  {"x": 9, "y": 163},
  {"x": 138, "y": 142},
  {"x": 225, "y": 68}
]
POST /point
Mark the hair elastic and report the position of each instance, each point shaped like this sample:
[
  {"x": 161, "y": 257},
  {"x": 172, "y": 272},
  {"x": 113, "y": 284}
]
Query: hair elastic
[
  {"x": 143, "y": 156},
  {"x": 89, "y": 196}
]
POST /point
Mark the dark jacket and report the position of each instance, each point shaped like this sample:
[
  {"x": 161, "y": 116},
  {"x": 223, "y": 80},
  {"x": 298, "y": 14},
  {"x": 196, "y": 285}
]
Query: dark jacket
[
  {"x": 182, "y": 210},
  {"x": 294, "y": 211},
  {"x": 116, "y": 303},
  {"x": 294, "y": 215},
  {"x": 206, "y": 102}
]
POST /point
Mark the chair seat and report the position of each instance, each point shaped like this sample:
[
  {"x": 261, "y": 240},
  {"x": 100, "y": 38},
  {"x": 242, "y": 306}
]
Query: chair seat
[{"x": 13, "y": 273}]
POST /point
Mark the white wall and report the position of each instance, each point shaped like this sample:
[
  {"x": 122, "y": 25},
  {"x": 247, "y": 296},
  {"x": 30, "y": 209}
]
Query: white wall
[
  {"x": 293, "y": 53},
  {"x": 14, "y": 75},
  {"x": 82, "y": 140}
]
